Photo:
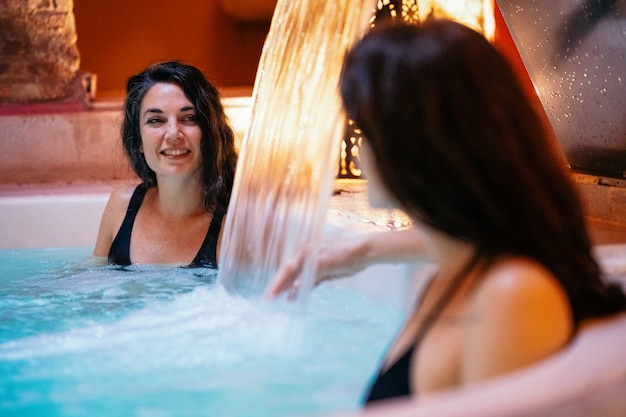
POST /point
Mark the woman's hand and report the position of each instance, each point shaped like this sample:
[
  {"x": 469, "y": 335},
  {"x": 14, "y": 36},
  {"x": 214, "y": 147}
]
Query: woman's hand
[
  {"x": 348, "y": 256},
  {"x": 336, "y": 259}
]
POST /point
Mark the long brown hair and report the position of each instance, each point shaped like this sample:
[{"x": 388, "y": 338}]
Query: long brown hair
[{"x": 459, "y": 145}]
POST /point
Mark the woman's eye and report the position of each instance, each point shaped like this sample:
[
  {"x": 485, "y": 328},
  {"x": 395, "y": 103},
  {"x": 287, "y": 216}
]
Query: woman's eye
[
  {"x": 190, "y": 118},
  {"x": 153, "y": 120}
]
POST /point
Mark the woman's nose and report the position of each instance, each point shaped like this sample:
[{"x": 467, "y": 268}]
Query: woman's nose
[{"x": 173, "y": 133}]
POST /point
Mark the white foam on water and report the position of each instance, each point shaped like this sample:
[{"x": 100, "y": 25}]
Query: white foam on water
[{"x": 96, "y": 341}]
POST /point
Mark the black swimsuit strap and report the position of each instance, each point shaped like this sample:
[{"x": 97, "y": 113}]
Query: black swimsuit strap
[
  {"x": 395, "y": 380},
  {"x": 119, "y": 253},
  {"x": 207, "y": 255}
]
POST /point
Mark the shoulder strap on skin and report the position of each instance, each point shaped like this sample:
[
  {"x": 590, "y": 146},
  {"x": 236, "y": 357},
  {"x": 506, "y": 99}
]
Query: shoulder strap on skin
[
  {"x": 395, "y": 381},
  {"x": 207, "y": 255},
  {"x": 119, "y": 253}
]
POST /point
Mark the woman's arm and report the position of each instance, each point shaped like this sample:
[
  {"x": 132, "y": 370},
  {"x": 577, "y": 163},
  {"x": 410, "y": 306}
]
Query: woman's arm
[{"x": 348, "y": 256}]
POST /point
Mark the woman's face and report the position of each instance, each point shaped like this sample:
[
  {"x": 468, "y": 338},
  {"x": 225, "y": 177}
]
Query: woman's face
[
  {"x": 377, "y": 194},
  {"x": 170, "y": 134}
]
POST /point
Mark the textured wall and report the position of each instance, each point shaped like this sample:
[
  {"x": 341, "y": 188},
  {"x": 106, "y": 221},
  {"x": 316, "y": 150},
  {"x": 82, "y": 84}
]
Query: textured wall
[
  {"x": 39, "y": 59},
  {"x": 118, "y": 38}
]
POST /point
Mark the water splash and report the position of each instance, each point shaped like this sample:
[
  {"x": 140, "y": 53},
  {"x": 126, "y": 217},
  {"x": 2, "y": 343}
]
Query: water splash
[
  {"x": 84, "y": 340},
  {"x": 285, "y": 171}
]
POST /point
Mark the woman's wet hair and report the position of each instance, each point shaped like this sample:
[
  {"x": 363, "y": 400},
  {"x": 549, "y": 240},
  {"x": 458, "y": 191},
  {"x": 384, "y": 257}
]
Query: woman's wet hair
[
  {"x": 458, "y": 143},
  {"x": 219, "y": 155}
]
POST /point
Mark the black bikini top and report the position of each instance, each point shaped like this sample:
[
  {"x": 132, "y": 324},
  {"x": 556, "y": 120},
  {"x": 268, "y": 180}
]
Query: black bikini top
[
  {"x": 119, "y": 253},
  {"x": 394, "y": 381}
]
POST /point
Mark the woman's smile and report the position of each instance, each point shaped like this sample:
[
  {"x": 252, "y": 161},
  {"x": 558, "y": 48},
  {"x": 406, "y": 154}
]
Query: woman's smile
[{"x": 175, "y": 152}]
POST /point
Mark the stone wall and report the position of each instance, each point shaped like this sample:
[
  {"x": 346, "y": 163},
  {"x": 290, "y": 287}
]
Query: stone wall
[
  {"x": 70, "y": 147},
  {"x": 39, "y": 59}
]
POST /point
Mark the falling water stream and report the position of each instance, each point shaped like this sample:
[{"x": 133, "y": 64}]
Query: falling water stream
[{"x": 285, "y": 172}]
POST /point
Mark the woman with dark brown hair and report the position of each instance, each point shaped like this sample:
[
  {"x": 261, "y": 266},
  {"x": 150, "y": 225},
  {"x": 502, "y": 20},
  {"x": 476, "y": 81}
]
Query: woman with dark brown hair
[
  {"x": 180, "y": 144},
  {"x": 450, "y": 137}
]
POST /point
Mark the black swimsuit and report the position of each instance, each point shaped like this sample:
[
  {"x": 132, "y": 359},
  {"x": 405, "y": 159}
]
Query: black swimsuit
[
  {"x": 394, "y": 381},
  {"x": 119, "y": 254}
]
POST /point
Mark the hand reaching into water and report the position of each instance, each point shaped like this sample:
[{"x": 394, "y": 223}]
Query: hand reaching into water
[
  {"x": 336, "y": 259},
  {"x": 348, "y": 256}
]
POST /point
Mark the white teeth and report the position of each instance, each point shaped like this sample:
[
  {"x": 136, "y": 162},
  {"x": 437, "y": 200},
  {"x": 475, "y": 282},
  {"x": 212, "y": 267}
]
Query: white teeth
[{"x": 175, "y": 152}]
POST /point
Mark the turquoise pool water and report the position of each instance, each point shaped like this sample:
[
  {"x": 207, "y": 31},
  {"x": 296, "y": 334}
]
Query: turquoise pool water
[{"x": 77, "y": 339}]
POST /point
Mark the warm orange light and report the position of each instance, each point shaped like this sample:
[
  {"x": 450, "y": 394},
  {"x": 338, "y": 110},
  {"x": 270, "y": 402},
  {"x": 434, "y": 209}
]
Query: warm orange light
[
  {"x": 476, "y": 14},
  {"x": 284, "y": 176}
]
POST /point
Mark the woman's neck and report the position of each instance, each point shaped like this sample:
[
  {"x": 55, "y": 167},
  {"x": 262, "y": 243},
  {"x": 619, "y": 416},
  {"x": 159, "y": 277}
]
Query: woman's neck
[
  {"x": 179, "y": 198},
  {"x": 451, "y": 254}
]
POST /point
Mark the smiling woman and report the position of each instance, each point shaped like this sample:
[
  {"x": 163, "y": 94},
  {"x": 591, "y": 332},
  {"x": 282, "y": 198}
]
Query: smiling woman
[{"x": 181, "y": 145}]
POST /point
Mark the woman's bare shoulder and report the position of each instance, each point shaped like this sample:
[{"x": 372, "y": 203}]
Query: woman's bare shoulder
[
  {"x": 523, "y": 315},
  {"x": 122, "y": 194},
  {"x": 119, "y": 199},
  {"x": 519, "y": 278},
  {"x": 520, "y": 287}
]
